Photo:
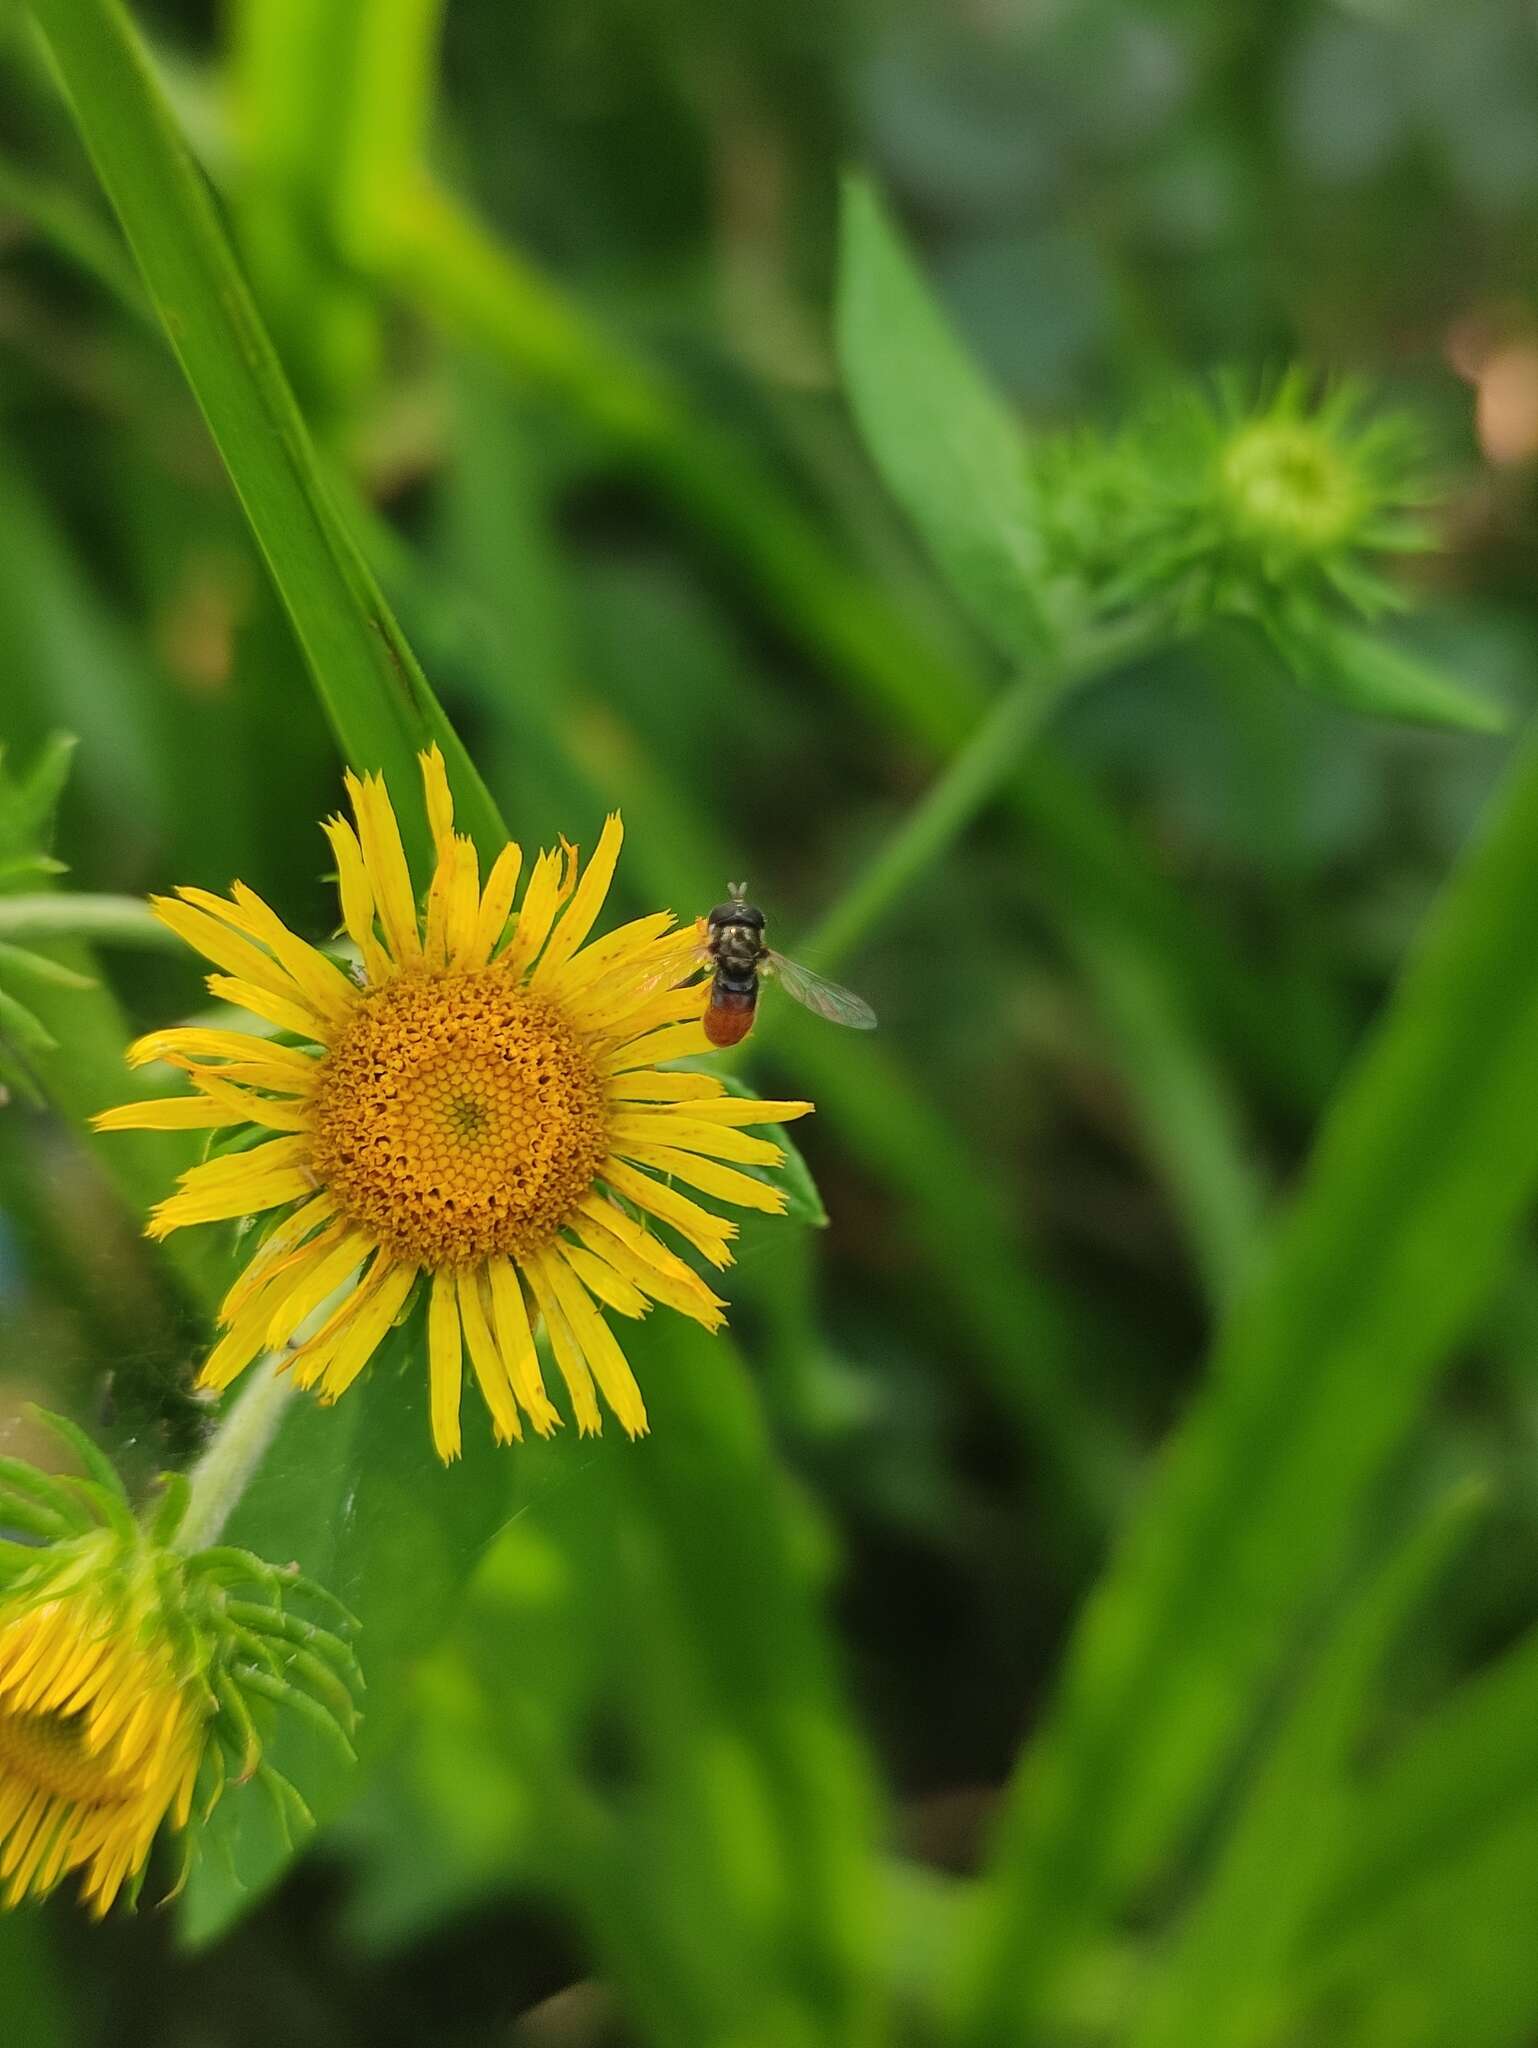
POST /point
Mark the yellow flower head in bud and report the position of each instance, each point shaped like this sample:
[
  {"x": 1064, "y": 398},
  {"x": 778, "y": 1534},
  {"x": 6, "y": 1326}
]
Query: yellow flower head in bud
[
  {"x": 482, "y": 1116},
  {"x": 127, "y": 1673}
]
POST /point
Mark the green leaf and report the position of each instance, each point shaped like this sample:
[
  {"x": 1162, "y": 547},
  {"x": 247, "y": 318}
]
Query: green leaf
[
  {"x": 1360, "y": 668},
  {"x": 356, "y": 1496},
  {"x": 1433, "y": 1810},
  {"x": 950, "y": 451},
  {"x": 38, "y": 967},
  {"x": 375, "y": 695},
  {"x": 1425, "y": 1162},
  {"x": 1228, "y": 1971}
]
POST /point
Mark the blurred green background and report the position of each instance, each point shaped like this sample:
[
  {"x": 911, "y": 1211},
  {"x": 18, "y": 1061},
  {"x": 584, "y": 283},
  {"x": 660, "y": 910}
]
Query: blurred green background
[{"x": 724, "y": 1744}]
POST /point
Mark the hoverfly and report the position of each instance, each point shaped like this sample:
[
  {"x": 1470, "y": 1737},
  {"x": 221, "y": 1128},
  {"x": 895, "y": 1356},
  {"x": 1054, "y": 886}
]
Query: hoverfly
[{"x": 735, "y": 951}]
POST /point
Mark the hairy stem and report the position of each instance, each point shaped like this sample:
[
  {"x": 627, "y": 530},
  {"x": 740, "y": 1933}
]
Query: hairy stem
[{"x": 237, "y": 1447}]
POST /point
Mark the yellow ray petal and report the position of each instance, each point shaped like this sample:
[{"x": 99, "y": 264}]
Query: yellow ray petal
[
  {"x": 485, "y": 1359},
  {"x": 747, "y": 1109},
  {"x": 444, "y": 1364},
  {"x": 451, "y": 907},
  {"x": 724, "y": 1182},
  {"x": 599, "y": 1277},
  {"x": 689, "y": 1134},
  {"x": 322, "y": 985},
  {"x": 385, "y": 859},
  {"x": 618, "y": 952},
  {"x": 239, "y": 1186},
  {"x": 194, "y": 1044},
  {"x": 279, "y": 1010},
  {"x": 242, "y": 1106},
  {"x": 357, "y": 898},
  {"x": 651, "y": 1012},
  {"x": 182, "y": 1113},
  {"x": 568, "y": 1354},
  {"x": 366, "y": 1331},
  {"x": 515, "y": 1341},
  {"x": 581, "y": 913},
  {"x": 440, "y": 801},
  {"x": 541, "y": 900},
  {"x": 673, "y": 1042},
  {"x": 599, "y": 1345},
  {"x": 212, "y": 937},
  {"x": 310, "y": 1282},
  {"x": 245, "y": 1338},
  {"x": 264, "y": 1074},
  {"x": 708, "y": 1234},
  {"x": 644, "y": 1087},
  {"x": 496, "y": 904},
  {"x": 284, "y": 1241},
  {"x": 646, "y": 1261}
]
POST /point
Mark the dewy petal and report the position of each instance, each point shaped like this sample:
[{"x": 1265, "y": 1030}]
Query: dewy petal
[
  {"x": 385, "y": 859},
  {"x": 445, "y": 1369},
  {"x": 580, "y": 915}
]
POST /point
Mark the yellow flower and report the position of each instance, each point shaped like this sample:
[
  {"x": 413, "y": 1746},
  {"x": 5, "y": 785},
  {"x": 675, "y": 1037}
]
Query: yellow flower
[
  {"x": 100, "y": 1737},
  {"x": 126, "y": 1676},
  {"x": 484, "y": 1111}
]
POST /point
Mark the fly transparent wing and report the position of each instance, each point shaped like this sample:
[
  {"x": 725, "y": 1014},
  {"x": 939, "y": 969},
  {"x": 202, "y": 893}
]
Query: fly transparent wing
[{"x": 824, "y": 998}]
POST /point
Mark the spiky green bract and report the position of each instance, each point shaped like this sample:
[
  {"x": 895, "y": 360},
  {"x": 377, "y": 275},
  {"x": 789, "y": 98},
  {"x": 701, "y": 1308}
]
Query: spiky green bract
[
  {"x": 1284, "y": 510},
  {"x": 136, "y": 1679}
]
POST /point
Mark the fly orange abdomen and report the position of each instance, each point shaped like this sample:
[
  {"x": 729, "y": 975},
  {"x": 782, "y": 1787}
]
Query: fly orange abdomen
[{"x": 729, "y": 1014}]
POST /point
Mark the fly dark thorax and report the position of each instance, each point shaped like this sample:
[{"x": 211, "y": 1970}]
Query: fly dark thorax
[
  {"x": 736, "y": 940},
  {"x": 736, "y": 946}
]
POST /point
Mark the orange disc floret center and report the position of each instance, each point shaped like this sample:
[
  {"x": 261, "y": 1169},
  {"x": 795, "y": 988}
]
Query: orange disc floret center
[{"x": 456, "y": 1116}]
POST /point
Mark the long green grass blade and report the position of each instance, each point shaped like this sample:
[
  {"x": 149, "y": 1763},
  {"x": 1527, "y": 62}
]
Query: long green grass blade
[
  {"x": 375, "y": 695},
  {"x": 1226, "y": 1979},
  {"x": 1424, "y": 1165}
]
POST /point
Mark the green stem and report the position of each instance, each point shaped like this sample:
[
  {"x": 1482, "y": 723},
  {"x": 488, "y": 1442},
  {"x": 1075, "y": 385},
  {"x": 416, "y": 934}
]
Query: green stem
[
  {"x": 114, "y": 920},
  {"x": 975, "y": 774},
  {"x": 234, "y": 1452}
]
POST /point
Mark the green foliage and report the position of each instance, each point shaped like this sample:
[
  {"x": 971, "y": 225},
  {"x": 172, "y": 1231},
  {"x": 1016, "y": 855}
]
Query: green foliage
[{"x": 903, "y": 1686}]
